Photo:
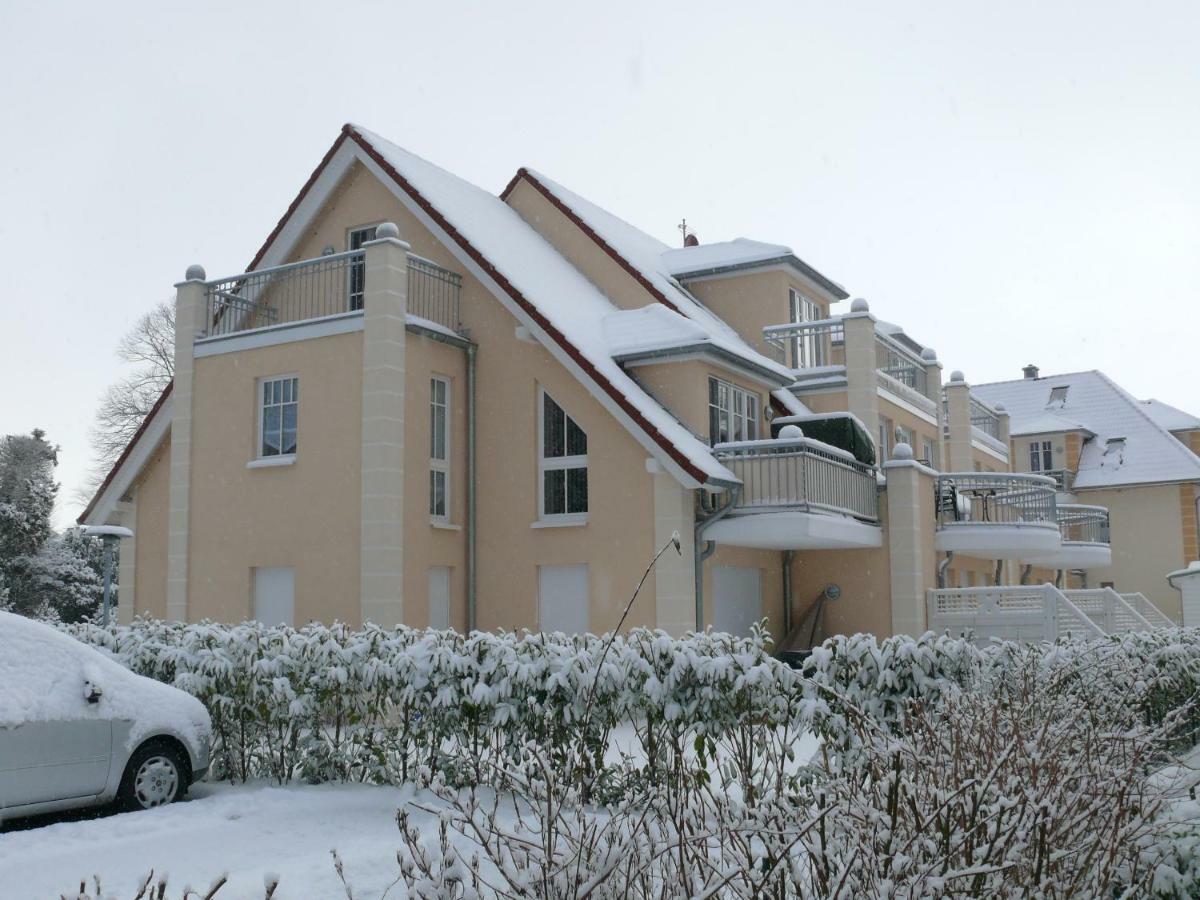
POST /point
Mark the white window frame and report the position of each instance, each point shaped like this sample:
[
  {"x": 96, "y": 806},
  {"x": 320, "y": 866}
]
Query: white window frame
[
  {"x": 1041, "y": 456},
  {"x": 440, "y": 465},
  {"x": 801, "y": 309},
  {"x": 262, "y": 414},
  {"x": 749, "y": 404},
  {"x": 357, "y": 267},
  {"x": 553, "y": 463}
]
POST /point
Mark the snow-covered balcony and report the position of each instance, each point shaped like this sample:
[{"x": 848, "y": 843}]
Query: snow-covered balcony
[
  {"x": 814, "y": 349},
  {"x": 996, "y": 515},
  {"x": 1084, "y": 534},
  {"x": 798, "y": 494},
  {"x": 321, "y": 288}
]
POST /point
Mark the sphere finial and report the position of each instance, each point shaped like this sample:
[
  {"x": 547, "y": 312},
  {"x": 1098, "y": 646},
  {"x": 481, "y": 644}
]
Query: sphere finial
[
  {"x": 859, "y": 305},
  {"x": 902, "y": 451},
  {"x": 195, "y": 272},
  {"x": 387, "y": 230}
]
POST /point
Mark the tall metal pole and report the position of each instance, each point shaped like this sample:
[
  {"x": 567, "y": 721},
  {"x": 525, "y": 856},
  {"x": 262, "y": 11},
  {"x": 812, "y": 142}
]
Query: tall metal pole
[{"x": 108, "y": 564}]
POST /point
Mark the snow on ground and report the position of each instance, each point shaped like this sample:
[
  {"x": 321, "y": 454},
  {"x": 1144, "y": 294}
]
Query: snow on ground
[{"x": 246, "y": 831}]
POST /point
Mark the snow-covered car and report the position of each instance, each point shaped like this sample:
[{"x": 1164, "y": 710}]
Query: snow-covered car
[{"x": 79, "y": 729}]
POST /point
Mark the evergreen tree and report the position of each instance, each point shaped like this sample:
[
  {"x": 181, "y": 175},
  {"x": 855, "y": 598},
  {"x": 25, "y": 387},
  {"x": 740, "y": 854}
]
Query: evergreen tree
[{"x": 41, "y": 574}]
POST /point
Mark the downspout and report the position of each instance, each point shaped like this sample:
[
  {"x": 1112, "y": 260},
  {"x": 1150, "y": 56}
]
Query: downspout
[
  {"x": 1058, "y": 579},
  {"x": 943, "y": 566},
  {"x": 787, "y": 591},
  {"x": 999, "y": 572},
  {"x": 704, "y": 549},
  {"x": 471, "y": 489},
  {"x": 1026, "y": 571}
]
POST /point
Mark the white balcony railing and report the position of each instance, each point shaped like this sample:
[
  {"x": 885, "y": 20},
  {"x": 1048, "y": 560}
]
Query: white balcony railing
[
  {"x": 801, "y": 474},
  {"x": 1081, "y": 524},
  {"x": 806, "y": 345},
  {"x": 319, "y": 288},
  {"x": 995, "y": 498}
]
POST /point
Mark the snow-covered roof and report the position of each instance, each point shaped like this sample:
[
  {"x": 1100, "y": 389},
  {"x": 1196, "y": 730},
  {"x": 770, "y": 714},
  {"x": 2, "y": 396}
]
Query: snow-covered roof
[
  {"x": 722, "y": 255},
  {"x": 1170, "y": 417},
  {"x": 1044, "y": 423},
  {"x": 1149, "y": 452},
  {"x": 740, "y": 253},
  {"x": 653, "y": 327},
  {"x": 557, "y": 298}
]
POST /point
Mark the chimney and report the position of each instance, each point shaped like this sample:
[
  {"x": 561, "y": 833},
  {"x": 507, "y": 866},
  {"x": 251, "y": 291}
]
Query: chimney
[
  {"x": 1031, "y": 371},
  {"x": 691, "y": 241}
]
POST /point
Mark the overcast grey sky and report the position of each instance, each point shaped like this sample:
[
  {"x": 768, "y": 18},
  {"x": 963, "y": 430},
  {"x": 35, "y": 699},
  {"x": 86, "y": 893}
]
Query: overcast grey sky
[{"x": 1012, "y": 182}]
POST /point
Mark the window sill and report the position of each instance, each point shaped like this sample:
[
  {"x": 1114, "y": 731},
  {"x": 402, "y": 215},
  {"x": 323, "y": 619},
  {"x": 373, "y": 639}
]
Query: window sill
[
  {"x": 270, "y": 462},
  {"x": 444, "y": 526},
  {"x": 568, "y": 521}
]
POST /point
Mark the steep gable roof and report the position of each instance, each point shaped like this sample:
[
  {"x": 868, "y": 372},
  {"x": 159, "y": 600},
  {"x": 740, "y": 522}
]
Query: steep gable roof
[{"x": 1148, "y": 453}]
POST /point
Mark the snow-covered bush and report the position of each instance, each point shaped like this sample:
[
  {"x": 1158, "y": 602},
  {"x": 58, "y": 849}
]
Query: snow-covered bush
[{"x": 333, "y": 703}]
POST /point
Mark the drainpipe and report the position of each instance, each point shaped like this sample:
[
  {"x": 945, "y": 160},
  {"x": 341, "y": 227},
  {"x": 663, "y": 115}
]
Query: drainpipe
[
  {"x": 999, "y": 570},
  {"x": 943, "y": 566},
  {"x": 1026, "y": 571},
  {"x": 1058, "y": 579},
  {"x": 704, "y": 549},
  {"x": 471, "y": 489},
  {"x": 787, "y": 591}
]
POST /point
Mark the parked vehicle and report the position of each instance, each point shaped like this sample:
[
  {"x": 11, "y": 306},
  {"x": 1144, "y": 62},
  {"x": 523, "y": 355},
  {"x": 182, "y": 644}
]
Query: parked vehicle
[{"x": 78, "y": 729}]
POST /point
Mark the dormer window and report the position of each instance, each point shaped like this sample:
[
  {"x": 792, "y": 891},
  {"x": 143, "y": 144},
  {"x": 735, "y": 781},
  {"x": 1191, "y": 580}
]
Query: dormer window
[
  {"x": 732, "y": 413},
  {"x": 1059, "y": 394},
  {"x": 1114, "y": 445}
]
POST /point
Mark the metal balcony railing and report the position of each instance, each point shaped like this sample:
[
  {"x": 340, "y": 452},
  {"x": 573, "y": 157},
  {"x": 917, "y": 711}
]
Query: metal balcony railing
[
  {"x": 800, "y": 474},
  {"x": 995, "y": 498},
  {"x": 1064, "y": 479},
  {"x": 322, "y": 287},
  {"x": 434, "y": 292},
  {"x": 901, "y": 365},
  {"x": 985, "y": 418},
  {"x": 1083, "y": 524},
  {"x": 806, "y": 345}
]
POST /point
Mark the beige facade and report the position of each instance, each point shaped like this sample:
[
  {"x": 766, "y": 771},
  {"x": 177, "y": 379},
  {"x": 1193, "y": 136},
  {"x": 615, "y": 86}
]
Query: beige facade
[{"x": 350, "y": 514}]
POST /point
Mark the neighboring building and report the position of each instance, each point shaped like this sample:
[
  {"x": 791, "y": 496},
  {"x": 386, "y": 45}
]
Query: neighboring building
[
  {"x": 427, "y": 404},
  {"x": 1105, "y": 448}
]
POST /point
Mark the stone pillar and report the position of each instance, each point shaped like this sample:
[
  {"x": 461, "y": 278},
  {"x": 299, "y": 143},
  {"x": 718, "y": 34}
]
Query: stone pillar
[
  {"x": 385, "y": 303},
  {"x": 189, "y": 322},
  {"x": 1187, "y": 582},
  {"x": 958, "y": 408},
  {"x": 933, "y": 378},
  {"x": 127, "y": 565},
  {"x": 674, "y": 574},
  {"x": 910, "y": 530},
  {"x": 862, "y": 382},
  {"x": 1004, "y": 431}
]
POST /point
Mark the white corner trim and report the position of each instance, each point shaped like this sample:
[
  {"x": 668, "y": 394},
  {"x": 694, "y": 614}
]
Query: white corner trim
[
  {"x": 273, "y": 335},
  {"x": 561, "y": 522},
  {"x": 271, "y": 462}
]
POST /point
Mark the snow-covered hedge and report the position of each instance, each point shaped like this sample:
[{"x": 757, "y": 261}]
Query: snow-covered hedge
[{"x": 332, "y": 703}]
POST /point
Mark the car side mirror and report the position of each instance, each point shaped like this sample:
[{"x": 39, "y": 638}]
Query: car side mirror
[{"x": 92, "y": 692}]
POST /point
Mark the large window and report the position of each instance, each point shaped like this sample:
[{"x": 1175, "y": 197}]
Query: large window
[
  {"x": 439, "y": 448},
  {"x": 355, "y": 239},
  {"x": 277, "y": 416},
  {"x": 809, "y": 350},
  {"x": 562, "y": 465},
  {"x": 1041, "y": 456},
  {"x": 732, "y": 413}
]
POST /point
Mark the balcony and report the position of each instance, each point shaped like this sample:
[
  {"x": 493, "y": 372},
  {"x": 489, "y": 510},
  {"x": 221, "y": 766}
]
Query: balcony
[
  {"x": 812, "y": 348},
  {"x": 313, "y": 289},
  {"x": 1084, "y": 534},
  {"x": 798, "y": 494},
  {"x": 903, "y": 372},
  {"x": 996, "y": 515}
]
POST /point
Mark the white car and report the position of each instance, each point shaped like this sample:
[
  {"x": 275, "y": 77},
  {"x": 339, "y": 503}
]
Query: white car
[{"x": 79, "y": 729}]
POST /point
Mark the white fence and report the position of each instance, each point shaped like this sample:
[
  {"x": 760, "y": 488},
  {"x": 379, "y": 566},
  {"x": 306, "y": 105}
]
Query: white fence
[
  {"x": 1037, "y": 613},
  {"x": 1148, "y": 610}
]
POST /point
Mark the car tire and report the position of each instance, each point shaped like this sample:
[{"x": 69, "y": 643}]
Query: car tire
[{"x": 155, "y": 775}]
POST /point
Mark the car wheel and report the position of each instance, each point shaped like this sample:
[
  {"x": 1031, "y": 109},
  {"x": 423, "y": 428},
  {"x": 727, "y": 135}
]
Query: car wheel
[{"x": 154, "y": 776}]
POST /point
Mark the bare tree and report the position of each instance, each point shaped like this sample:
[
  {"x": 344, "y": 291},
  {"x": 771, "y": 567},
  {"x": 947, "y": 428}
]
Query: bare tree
[{"x": 149, "y": 346}]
